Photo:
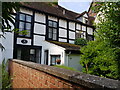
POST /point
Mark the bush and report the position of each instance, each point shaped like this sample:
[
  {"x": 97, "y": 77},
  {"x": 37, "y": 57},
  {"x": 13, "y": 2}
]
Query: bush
[
  {"x": 5, "y": 75},
  {"x": 81, "y": 41},
  {"x": 100, "y": 59}
]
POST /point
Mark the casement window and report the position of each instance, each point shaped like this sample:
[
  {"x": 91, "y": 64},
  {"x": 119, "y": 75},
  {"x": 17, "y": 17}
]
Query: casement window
[
  {"x": 25, "y": 22},
  {"x": 52, "y": 30},
  {"x": 54, "y": 58},
  {"x": 80, "y": 34},
  {"x": 90, "y": 37}
]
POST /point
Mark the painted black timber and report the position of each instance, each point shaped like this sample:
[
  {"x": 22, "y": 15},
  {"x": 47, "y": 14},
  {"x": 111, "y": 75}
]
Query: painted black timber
[
  {"x": 46, "y": 37},
  {"x": 32, "y": 30},
  {"x": 39, "y": 34},
  {"x": 40, "y": 23},
  {"x": 67, "y": 31},
  {"x": 57, "y": 16},
  {"x": 15, "y": 38},
  {"x": 57, "y": 29}
]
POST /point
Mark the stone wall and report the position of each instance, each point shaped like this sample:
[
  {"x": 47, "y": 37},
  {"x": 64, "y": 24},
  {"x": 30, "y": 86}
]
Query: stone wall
[{"x": 32, "y": 75}]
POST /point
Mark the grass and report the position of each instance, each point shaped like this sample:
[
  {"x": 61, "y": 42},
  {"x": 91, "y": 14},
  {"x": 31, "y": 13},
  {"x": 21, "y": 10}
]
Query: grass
[{"x": 65, "y": 67}]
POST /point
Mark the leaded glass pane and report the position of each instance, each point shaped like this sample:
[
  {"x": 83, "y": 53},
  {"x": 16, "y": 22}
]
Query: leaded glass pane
[
  {"x": 28, "y": 18},
  {"x": 50, "y": 35},
  {"x": 21, "y": 25},
  {"x": 28, "y": 33},
  {"x": 54, "y": 24},
  {"x": 54, "y": 37},
  {"x": 22, "y": 17},
  {"x": 50, "y": 23},
  {"x": 50, "y": 30},
  {"x": 54, "y": 30},
  {"x": 28, "y": 26}
]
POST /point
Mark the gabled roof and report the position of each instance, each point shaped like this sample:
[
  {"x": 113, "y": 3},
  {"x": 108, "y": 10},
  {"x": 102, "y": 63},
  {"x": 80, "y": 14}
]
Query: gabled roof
[
  {"x": 82, "y": 14},
  {"x": 47, "y": 8},
  {"x": 67, "y": 46},
  {"x": 90, "y": 6}
]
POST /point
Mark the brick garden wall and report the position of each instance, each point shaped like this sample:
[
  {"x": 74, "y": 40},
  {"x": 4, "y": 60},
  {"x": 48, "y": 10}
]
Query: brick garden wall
[{"x": 32, "y": 75}]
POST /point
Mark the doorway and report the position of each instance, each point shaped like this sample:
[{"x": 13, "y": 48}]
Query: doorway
[
  {"x": 46, "y": 57},
  {"x": 29, "y": 53}
]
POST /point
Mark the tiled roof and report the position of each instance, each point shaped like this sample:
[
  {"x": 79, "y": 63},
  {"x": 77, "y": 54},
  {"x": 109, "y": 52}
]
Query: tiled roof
[
  {"x": 67, "y": 46},
  {"x": 56, "y": 10}
]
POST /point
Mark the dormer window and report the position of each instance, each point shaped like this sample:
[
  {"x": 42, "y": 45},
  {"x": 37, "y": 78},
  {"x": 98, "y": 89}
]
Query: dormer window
[
  {"x": 25, "y": 24},
  {"x": 52, "y": 30}
]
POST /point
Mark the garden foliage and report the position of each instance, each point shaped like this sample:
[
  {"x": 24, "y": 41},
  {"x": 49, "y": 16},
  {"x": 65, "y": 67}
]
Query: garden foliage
[
  {"x": 6, "y": 79},
  {"x": 80, "y": 41},
  {"x": 102, "y": 56}
]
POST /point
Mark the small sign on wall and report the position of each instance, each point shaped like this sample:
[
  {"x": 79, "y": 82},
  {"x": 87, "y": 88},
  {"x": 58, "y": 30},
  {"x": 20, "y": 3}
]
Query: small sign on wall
[{"x": 24, "y": 41}]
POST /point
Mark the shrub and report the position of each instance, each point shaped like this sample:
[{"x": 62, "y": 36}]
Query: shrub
[
  {"x": 5, "y": 75},
  {"x": 80, "y": 41},
  {"x": 100, "y": 59}
]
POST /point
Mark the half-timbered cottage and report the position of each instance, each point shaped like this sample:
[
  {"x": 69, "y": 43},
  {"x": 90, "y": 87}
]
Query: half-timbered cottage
[{"x": 51, "y": 32}]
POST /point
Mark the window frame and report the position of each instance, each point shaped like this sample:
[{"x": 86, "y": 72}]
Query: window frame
[
  {"x": 90, "y": 36},
  {"x": 55, "y": 59},
  {"x": 52, "y": 30},
  {"x": 25, "y": 22},
  {"x": 80, "y": 35}
]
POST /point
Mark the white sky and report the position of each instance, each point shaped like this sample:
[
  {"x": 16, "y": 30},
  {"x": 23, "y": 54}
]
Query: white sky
[{"x": 75, "y": 5}]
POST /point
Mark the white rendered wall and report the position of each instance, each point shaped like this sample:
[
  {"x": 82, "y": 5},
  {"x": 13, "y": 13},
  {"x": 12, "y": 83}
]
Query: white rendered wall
[
  {"x": 89, "y": 30},
  {"x": 85, "y": 15},
  {"x": 71, "y": 35},
  {"x": 80, "y": 19},
  {"x": 20, "y": 39},
  {"x": 63, "y": 23},
  {"x": 78, "y": 26},
  {"x": 38, "y": 40},
  {"x": 62, "y": 33},
  {"x": 71, "y": 25},
  {"x": 62, "y": 40},
  {"x": 27, "y": 11},
  {"x": 39, "y": 29},
  {"x": 40, "y": 17},
  {"x": 52, "y": 18},
  {"x": 53, "y": 49},
  {"x": 8, "y": 44},
  {"x": 83, "y": 28}
]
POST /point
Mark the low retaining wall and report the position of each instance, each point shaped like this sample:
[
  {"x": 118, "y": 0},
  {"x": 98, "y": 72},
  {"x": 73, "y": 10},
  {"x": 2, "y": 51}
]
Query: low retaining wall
[{"x": 32, "y": 75}]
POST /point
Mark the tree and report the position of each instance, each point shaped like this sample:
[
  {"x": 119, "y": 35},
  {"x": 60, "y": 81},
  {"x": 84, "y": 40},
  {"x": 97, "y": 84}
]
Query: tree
[
  {"x": 7, "y": 18},
  {"x": 102, "y": 56}
]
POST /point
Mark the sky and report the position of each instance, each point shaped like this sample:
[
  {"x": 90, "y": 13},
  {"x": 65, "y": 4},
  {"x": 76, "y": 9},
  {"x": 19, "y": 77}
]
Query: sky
[{"x": 78, "y": 6}]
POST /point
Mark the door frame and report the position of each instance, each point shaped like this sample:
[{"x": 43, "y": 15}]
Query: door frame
[
  {"x": 46, "y": 56},
  {"x": 26, "y": 46}
]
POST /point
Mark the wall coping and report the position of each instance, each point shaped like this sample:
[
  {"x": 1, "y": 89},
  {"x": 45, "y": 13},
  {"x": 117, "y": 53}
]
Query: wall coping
[{"x": 82, "y": 79}]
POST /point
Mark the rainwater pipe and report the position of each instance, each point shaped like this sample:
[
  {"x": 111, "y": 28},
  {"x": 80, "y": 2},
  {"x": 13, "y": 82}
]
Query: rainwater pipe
[{"x": 68, "y": 58}]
